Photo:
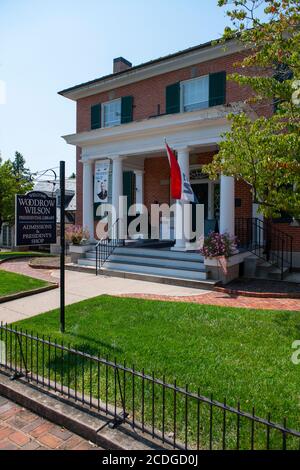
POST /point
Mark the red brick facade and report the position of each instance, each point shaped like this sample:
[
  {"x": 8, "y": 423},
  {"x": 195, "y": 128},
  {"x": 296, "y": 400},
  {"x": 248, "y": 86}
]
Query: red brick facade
[
  {"x": 148, "y": 97},
  {"x": 150, "y": 93}
]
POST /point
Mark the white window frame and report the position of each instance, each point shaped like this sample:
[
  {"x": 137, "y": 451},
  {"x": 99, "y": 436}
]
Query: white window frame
[
  {"x": 182, "y": 92},
  {"x": 103, "y": 113}
]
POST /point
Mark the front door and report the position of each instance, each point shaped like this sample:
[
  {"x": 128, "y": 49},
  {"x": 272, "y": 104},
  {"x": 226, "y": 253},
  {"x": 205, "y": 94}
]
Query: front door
[{"x": 208, "y": 195}]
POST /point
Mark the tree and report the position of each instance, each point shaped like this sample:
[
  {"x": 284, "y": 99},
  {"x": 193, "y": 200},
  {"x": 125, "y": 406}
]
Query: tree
[
  {"x": 14, "y": 180},
  {"x": 19, "y": 169},
  {"x": 265, "y": 152}
]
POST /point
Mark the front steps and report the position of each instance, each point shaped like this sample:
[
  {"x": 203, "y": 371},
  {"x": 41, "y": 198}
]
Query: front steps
[
  {"x": 265, "y": 270},
  {"x": 155, "y": 265}
]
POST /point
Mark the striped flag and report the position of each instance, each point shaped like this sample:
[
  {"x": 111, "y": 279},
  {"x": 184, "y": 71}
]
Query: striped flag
[
  {"x": 175, "y": 174},
  {"x": 180, "y": 185}
]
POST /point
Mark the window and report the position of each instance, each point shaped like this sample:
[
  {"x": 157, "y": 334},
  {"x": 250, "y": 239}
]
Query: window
[
  {"x": 111, "y": 113},
  {"x": 195, "y": 94}
]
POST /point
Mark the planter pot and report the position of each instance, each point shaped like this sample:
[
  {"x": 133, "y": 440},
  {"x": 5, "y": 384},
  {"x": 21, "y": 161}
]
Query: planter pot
[
  {"x": 77, "y": 251},
  {"x": 225, "y": 269}
]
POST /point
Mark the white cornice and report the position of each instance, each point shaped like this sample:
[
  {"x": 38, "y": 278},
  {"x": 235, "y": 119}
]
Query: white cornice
[
  {"x": 162, "y": 125},
  {"x": 152, "y": 69}
]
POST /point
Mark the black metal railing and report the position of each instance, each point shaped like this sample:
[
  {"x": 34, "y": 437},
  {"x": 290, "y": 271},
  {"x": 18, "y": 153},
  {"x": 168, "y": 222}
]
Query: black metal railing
[
  {"x": 106, "y": 246},
  {"x": 178, "y": 416},
  {"x": 266, "y": 241}
]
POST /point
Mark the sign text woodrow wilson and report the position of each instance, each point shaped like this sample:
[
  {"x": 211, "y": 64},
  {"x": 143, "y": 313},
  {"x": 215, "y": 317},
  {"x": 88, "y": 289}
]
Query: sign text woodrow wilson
[{"x": 35, "y": 219}]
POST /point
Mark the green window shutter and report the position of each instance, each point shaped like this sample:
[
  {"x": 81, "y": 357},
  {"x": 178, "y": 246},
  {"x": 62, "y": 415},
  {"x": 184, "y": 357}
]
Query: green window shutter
[
  {"x": 217, "y": 88},
  {"x": 128, "y": 187},
  {"x": 96, "y": 116},
  {"x": 126, "y": 109},
  {"x": 173, "y": 98}
]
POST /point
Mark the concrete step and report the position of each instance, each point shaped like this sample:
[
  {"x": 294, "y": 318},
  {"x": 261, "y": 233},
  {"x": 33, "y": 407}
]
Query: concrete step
[
  {"x": 207, "y": 284},
  {"x": 200, "y": 274},
  {"x": 172, "y": 280},
  {"x": 154, "y": 253},
  {"x": 86, "y": 262},
  {"x": 266, "y": 270},
  {"x": 181, "y": 273},
  {"x": 154, "y": 261},
  {"x": 275, "y": 273}
]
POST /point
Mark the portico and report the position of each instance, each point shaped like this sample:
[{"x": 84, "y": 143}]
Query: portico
[{"x": 129, "y": 146}]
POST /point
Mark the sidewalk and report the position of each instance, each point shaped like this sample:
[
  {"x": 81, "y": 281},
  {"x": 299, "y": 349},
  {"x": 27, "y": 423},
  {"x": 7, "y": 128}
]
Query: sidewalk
[
  {"x": 21, "y": 429},
  {"x": 79, "y": 286},
  {"x": 82, "y": 286}
]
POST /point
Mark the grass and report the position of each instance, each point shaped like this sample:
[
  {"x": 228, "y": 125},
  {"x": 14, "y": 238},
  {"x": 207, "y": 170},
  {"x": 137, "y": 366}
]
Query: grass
[
  {"x": 20, "y": 254},
  {"x": 241, "y": 354},
  {"x": 11, "y": 283}
]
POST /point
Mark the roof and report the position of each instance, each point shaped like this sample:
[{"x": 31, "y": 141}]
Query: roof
[
  {"x": 140, "y": 66},
  {"x": 53, "y": 187}
]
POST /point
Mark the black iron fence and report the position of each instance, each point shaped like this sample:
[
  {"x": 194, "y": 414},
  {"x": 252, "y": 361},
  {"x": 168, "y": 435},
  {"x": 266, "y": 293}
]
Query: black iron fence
[
  {"x": 180, "y": 417},
  {"x": 266, "y": 241}
]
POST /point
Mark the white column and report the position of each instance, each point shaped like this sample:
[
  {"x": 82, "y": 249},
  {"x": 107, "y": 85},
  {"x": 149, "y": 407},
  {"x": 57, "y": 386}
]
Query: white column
[
  {"x": 182, "y": 243},
  {"x": 88, "y": 198},
  {"x": 139, "y": 189},
  {"x": 117, "y": 185},
  {"x": 227, "y": 205}
]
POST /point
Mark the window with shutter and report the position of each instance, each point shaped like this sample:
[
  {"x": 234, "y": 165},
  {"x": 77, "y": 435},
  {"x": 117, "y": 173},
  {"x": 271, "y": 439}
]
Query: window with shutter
[
  {"x": 111, "y": 113},
  {"x": 126, "y": 109},
  {"x": 217, "y": 88},
  {"x": 173, "y": 98},
  {"x": 96, "y": 116},
  {"x": 195, "y": 93}
]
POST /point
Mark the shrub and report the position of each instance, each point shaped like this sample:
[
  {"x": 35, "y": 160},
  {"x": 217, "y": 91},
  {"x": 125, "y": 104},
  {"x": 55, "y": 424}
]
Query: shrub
[
  {"x": 76, "y": 234},
  {"x": 218, "y": 244}
]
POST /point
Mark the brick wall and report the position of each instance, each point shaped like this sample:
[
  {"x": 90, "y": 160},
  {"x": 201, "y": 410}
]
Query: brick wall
[
  {"x": 151, "y": 92},
  {"x": 293, "y": 231},
  {"x": 243, "y": 192},
  {"x": 156, "y": 181},
  {"x": 148, "y": 94}
]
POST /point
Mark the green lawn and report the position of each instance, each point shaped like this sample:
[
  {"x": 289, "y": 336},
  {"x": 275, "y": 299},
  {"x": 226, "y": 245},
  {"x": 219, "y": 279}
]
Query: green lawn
[
  {"x": 240, "y": 354},
  {"x": 20, "y": 254},
  {"x": 11, "y": 283}
]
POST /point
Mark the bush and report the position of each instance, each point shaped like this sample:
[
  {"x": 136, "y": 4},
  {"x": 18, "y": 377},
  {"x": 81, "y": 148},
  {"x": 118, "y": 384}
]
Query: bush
[
  {"x": 218, "y": 244},
  {"x": 76, "y": 234}
]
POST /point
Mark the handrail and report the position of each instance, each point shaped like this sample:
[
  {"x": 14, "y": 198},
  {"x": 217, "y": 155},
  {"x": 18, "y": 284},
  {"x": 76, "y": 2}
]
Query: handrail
[
  {"x": 266, "y": 242},
  {"x": 107, "y": 244}
]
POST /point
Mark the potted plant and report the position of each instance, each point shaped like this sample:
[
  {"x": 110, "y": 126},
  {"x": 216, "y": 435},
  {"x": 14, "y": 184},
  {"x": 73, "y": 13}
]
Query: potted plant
[
  {"x": 219, "y": 245},
  {"x": 77, "y": 235},
  {"x": 221, "y": 255}
]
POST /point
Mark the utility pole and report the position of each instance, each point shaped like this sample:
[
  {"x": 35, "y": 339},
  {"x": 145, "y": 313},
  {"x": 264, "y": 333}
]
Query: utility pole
[{"x": 62, "y": 245}]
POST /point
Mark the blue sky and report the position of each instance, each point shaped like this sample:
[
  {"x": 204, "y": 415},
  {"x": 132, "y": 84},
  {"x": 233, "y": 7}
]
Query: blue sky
[{"x": 49, "y": 45}]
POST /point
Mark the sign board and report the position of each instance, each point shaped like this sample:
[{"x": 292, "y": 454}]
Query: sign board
[
  {"x": 101, "y": 188},
  {"x": 35, "y": 219}
]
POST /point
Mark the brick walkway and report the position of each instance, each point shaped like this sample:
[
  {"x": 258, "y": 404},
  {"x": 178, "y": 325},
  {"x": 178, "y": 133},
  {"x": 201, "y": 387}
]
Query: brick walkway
[
  {"x": 227, "y": 300},
  {"x": 21, "y": 429},
  {"x": 211, "y": 298},
  {"x": 22, "y": 267}
]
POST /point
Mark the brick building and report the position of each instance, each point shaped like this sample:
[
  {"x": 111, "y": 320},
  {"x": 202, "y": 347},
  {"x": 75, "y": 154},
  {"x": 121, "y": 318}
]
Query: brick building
[{"x": 125, "y": 116}]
